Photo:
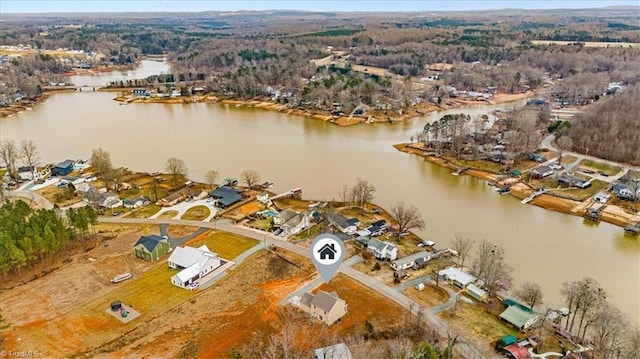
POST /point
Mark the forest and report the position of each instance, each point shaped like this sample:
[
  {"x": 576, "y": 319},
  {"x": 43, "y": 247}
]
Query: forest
[
  {"x": 610, "y": 129},
  {"x": 29, "y": 235}
]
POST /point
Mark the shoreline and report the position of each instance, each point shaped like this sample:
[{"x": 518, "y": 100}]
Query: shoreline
[
  {"x": 612, "y": 214},
  {"x": 374, "y": 116}
]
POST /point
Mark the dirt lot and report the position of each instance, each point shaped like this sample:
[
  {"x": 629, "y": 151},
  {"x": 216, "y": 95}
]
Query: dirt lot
[
  {"x": 430, "y": 297},
  {"x": 49, "y": 307},
  {"x": 70, "y": 301}
]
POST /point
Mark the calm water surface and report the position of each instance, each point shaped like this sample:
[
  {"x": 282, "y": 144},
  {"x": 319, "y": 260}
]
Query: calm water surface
[{"x": 542, "y": 246}]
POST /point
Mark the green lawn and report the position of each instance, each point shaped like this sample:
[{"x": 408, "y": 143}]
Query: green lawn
[
  {"x": 197, "y": 213},
  {"x": 603, "y": 167},
  {"x": 227, "y": 245},
  {"x": 145, "y": 211},
  {"x": 150, "y": 294}
]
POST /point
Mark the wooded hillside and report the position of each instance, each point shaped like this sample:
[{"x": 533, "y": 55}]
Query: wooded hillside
[{"x": 611, "y": 128}]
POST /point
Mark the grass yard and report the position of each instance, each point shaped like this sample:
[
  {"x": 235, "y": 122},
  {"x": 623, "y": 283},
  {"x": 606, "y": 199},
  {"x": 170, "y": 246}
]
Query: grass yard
[
  {"x": 477, "y": 325},
  {"x": 144, "y": 211},
  {"x": 152, "y": 293},
  {"x": 599, "y": 166},
  {"x": 197, "y": 213},
  {"x": 227, "y": 245},
  {"x": 168, "y": 214},
  {"x": 262, "y": 224},
  {"x": 566, "y": 159}
]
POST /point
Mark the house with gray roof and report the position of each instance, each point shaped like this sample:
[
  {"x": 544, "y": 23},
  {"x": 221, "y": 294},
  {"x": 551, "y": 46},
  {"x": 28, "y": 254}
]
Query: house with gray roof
[
  {"x": 151, "y": 247},
  {"x": 327, "y": 307},
  {"x": 293, "y": 221},
  {"x": 410, "y": 261},
  {"x": 342, "y": 224},
  {"x": 226, "y": 196},
  {"x": 382, "y": 250},
  {"x": 336, "y": 351}
]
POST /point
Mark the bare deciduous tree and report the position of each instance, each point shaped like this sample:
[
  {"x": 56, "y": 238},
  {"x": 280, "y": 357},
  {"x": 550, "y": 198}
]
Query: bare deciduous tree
[
  {"x": 406, "y": 218},
  {"x": 176, "y": 167},
  {"x": 362, "y": 193},
  {"x": 583, "y": 297},
  {"x": 530, "y": 293},
  {"x": 564, "y": 144},
  {"x": 463, "y": 247},
  {"x": 345, "y": 195},
  {"x": 211, "y": 177},
  {"x": 490, "y": 266},
  {"x": 609, "y": 331},
  {"x": 101, "y": 161},
  {"x": 250, "y": 177},
  {"x": 29, "y": 152},
  {"x": 9, "y": 155}
]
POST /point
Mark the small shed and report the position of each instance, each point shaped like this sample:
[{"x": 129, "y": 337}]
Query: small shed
[
  {"x": 477, "y": 293},
  {"x": 516, "y": 351}
]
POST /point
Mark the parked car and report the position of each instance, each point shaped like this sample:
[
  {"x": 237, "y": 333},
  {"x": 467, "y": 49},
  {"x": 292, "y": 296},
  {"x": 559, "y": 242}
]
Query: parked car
[
  {"x": 116, "y": 213},
  {"x": 193, "y": 285},
  {"x": 555, "y": 166},
  {"x": 278, "y": 231},
  {"x": 426, "y": 244},
  {"x": 284, "y": 233}
]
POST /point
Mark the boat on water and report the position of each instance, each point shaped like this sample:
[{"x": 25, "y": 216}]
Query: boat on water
[{"x": 121, "y": 277}]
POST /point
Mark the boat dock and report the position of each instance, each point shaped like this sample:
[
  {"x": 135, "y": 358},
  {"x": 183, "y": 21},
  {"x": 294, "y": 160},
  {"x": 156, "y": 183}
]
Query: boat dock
[
  {"x": 594, "y": 212},
  {"x": 633, "y": 229},
  {"x": 533, "y": 195},
  {"x": 459, "y": 171}
]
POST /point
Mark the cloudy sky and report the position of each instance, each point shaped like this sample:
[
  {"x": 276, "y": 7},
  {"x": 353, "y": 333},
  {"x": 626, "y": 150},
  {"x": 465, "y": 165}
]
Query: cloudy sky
[{"x": 28, "y": 6}]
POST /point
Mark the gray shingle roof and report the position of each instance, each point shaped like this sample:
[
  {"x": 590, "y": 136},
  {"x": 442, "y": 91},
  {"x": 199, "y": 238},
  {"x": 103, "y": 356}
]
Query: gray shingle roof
[{"x": 324, "y": 300}]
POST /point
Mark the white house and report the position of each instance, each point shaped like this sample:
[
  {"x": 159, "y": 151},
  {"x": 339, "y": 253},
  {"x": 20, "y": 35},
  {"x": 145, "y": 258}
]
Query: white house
[
  {"x": 263, "y": 197},
  {"x": 382, "y": 250},
  {"x": 110, "y": 200},
  {"x": 342, "y": 224},
  {"x": 27, "y": 173},
  {"x": 457, "y": 277},
  {"x": 294, "y": 222},
  {"x": 175, "y": 93},
  {"x": 193, "y": 263},
  {"x": 135, "y": 202},
  {"x": 410, "y": 261},
  {"x": 83, "y": 188}
]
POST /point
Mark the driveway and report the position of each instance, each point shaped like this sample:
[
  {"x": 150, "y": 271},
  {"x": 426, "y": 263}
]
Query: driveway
[{"x": 183, "y": 207}]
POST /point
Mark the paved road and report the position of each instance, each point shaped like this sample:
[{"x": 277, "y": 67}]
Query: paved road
[{"x": 466, "y": 350}]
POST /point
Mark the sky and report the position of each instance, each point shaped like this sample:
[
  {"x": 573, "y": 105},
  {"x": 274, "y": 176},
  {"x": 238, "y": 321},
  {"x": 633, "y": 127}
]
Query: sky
[{"x": 51, "y": 6}]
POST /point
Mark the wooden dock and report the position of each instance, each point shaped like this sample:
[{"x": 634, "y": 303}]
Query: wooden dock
[
  {"x": 459, "y": 171},
  {"x": 633, "y": 229},
  {"x": 535, "y": 194},
  {"x": 594, "y": 212}
]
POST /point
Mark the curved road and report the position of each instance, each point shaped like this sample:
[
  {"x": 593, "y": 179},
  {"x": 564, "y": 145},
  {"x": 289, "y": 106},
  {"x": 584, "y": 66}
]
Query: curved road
[{"x": 465, "y": 349}]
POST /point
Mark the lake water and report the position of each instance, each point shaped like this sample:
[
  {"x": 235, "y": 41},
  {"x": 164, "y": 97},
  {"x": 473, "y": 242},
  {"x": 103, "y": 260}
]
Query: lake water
[{"x": 542, "y": 246}]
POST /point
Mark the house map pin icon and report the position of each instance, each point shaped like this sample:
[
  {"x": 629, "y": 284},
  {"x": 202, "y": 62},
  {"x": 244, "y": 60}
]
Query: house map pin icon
[{"x": 327, "y": 254}]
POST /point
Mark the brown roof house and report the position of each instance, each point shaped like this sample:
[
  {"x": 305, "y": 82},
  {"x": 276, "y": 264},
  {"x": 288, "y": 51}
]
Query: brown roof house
[
  {"x": 174, "y": 198},
  {"x": 327, "y": 307}
]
